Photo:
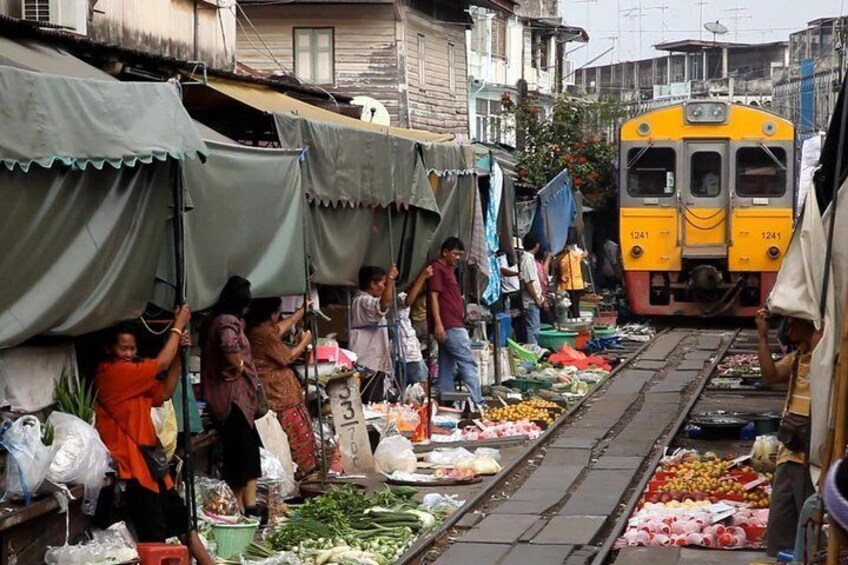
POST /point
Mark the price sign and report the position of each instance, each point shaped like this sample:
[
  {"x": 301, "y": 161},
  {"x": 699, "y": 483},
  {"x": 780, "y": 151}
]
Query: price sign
[{"x": 346, "y": 406}]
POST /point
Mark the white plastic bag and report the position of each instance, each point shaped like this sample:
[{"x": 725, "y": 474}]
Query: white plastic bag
[
  {"x": 28, "y": 460},
  {"x": 80, "y": 457},
  {"x": 165, "y": 423},
  {"x": 395, "y": 453},
  {"x": 113, "y": 545},
  {"x": 275, "y": 440},
  {"x": 449, "y": 456}
]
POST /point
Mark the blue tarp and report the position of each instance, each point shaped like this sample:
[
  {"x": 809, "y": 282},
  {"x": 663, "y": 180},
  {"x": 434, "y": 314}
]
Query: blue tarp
[{"x": 555, "y": 213}]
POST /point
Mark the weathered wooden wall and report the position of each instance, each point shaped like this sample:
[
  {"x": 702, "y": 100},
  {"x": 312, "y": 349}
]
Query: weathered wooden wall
[
  {"x": 433, "y": 106},
  {"x": 167, "y": 27},
  {"x": 366, "y": 60}
]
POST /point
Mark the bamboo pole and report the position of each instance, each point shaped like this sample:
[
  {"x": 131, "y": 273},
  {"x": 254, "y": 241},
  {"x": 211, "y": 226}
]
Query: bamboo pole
[{"x": 836, "y": 436}]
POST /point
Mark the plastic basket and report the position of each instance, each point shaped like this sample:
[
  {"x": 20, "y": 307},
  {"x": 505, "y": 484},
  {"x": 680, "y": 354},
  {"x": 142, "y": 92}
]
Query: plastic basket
[
  {"x": 232, "y": 539},
  {"x": 604, "y": 332},
  {"x": 527, "y": 384},
  {"x": 554, "y": 340},
  {"x": 520, "y": 352}
]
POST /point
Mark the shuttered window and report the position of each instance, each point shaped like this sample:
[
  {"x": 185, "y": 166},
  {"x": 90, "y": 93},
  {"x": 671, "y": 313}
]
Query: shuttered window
[
  {"x": 452, "y": 67},
  {"x": 499, "y": 36},
  {"x": 313, "y": 55}
]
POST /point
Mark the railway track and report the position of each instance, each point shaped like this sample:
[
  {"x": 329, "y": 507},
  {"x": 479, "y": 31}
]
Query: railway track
[{"x": 568, "y": 495}]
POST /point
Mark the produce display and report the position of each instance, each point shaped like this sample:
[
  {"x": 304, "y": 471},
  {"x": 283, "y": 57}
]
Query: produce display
[
  {"x": 737, "y": 371},
  {"x": 699, "y": 478},
  {"x": 526, "y": 410},
  {"x": 346, "y": 526},
  {"x": 491, "y": 430},
  {"x": 701, "y": 500}
]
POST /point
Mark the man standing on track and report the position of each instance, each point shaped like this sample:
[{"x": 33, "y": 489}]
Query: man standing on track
[{"x": 792, "y": 485}]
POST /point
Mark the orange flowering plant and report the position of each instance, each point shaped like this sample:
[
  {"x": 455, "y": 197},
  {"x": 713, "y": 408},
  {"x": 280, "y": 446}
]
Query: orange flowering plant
[{"x": 575, "y": 136}]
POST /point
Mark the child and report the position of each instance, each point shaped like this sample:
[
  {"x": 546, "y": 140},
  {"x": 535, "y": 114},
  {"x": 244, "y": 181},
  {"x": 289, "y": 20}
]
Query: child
[{"x": 416, "y": 369}]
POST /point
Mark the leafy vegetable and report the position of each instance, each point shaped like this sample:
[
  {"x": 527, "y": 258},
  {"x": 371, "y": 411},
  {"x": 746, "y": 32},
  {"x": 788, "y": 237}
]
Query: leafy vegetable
[{"x": 74, "y": 397}]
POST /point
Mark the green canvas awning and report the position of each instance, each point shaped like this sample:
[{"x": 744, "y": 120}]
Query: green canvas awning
[{"x": 47, "y": 119}]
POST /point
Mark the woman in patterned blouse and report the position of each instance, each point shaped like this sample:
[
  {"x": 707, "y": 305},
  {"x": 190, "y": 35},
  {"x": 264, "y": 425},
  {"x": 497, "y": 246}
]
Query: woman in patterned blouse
[
  {"x": 229, "y": 383},
  {"x": 273, "y": 359}
]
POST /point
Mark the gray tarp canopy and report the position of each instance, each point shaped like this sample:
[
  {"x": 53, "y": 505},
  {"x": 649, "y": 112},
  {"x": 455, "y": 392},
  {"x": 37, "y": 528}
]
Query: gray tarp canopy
[
  {"x": 246, "y": 219},
  {"x": 47, "y": 119},
  {"x": 354, "y": 176},
  {"x": 83, "y": 239}
]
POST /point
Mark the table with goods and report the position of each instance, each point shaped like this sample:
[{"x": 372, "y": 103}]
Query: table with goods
[{"x": 699, "y": 499}]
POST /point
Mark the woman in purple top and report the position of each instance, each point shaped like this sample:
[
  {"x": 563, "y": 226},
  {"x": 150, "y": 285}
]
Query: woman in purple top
[{"x": 229, "y": 384}]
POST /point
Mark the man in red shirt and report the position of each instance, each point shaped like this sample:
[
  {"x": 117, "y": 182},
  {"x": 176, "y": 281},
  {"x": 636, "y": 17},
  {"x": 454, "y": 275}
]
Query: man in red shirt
[{"x": 447, "y": 309}]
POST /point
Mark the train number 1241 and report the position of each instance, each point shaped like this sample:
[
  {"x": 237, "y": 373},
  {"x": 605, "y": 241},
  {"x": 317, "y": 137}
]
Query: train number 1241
[
  {"x": 771, "y": 235},
  {"x": 639, "y": 235}
]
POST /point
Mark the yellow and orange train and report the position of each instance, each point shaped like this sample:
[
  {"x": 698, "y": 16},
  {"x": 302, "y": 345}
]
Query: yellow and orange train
[{"x": 706, "y": 200}]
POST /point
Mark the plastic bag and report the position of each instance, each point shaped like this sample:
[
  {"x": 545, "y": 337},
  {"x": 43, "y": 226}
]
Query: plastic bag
[
  {"x": 415, "y": 395},
  {"x": 28, "y": 460},
  {"x": 284, "y": 558},
  {"x": 446, "y": 503},
  {"x": 215, "y": 497},
  {"x": 449, "y": 456},
  {"x": 395, "y": 453},
  {"x": 272, "y": 467},
  {"x": 113, "y": 545},
  {"x": 165, "y": 423},
  {"x": 80, "y": 457},
  {"x": 272, "y": 495},
  {"x": 488, "y": 452}
]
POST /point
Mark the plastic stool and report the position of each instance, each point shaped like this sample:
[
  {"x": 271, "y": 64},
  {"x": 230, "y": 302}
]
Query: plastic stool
[{"x": 162, "y": 554}]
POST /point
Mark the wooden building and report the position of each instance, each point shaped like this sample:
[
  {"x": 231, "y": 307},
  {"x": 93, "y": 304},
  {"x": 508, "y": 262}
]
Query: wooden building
[
  {"x": 198, "y": 30},
  {"x": 408, "y": 55}
]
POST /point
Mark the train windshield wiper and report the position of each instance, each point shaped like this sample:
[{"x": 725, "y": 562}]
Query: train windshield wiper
[
  {"x": 772, "y": 156},
  {"x": 639, "y": 155}
]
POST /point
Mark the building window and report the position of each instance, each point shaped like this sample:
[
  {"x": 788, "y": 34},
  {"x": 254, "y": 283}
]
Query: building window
[
  {"x": 499, "y": 36},
  {"x": 452, "y": 67},
  {"x": 489, "y": 121},
  {"x": 540, "y": 51},
  {"x": 422, "y": 60},
  {"x": 313, "y": 55}
]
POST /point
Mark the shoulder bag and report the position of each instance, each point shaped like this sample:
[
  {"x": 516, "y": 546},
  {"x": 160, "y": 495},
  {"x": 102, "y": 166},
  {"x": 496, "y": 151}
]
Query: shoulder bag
[
  {"x": 154, "y": 455},
  {"x": 794, "y": 429}
]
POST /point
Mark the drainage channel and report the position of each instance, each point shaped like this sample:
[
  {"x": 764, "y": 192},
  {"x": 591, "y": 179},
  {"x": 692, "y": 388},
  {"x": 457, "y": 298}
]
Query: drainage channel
[{"x": 566, "y": 499}]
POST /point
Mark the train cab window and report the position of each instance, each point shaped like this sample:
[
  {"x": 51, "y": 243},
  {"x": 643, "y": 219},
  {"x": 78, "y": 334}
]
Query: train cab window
[
  {"x": 650, "y": 171},
  {"x": 760, "y": 171},
  {"x": 706, "y": 174}
]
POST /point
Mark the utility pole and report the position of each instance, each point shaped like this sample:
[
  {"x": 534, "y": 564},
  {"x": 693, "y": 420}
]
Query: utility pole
[
  {"x": 701, "y": 4},
  {"x": 737, "y": 17},
  {"x": 662, "y": 10},
  {"x": 588, "y": 16}
]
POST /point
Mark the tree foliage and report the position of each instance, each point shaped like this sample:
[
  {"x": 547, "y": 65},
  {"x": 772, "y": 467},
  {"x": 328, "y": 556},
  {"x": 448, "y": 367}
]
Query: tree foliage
[{"x": 575, "y": 137}]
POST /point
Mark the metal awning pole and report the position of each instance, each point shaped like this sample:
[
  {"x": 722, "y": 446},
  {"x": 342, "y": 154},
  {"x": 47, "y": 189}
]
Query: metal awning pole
[
  {"x": 178, "y": 187},
  {"x": 313, "y": 327}
]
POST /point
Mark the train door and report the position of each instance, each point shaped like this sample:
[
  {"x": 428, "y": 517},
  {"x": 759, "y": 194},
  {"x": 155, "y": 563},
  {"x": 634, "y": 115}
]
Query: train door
[{"x": 704, "y": 198}]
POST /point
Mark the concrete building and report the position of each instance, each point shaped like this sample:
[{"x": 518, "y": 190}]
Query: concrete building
[
  {"x": 690, "y": 69},
  {"x": 504, "y": 49},
  {"x": 805, "y": 91}
]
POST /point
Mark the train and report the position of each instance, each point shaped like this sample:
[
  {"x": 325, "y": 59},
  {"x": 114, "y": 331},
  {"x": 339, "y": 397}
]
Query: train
[{"x": 706, "y": 207}]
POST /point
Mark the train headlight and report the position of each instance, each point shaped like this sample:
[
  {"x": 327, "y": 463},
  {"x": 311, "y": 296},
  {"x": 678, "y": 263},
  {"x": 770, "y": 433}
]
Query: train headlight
[
  {"x": 773, "y": 252},
  {"x": 706, "y": 112},
  {"x": 636, "y": 251}
]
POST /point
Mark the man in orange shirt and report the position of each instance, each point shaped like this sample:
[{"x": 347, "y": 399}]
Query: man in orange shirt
[{"x": 127, "y": 388}]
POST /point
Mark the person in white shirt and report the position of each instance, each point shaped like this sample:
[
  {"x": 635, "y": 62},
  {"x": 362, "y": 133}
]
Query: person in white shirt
[
  {"x": 532, "y": 297},
  {"x": 369, "y": 336}
]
